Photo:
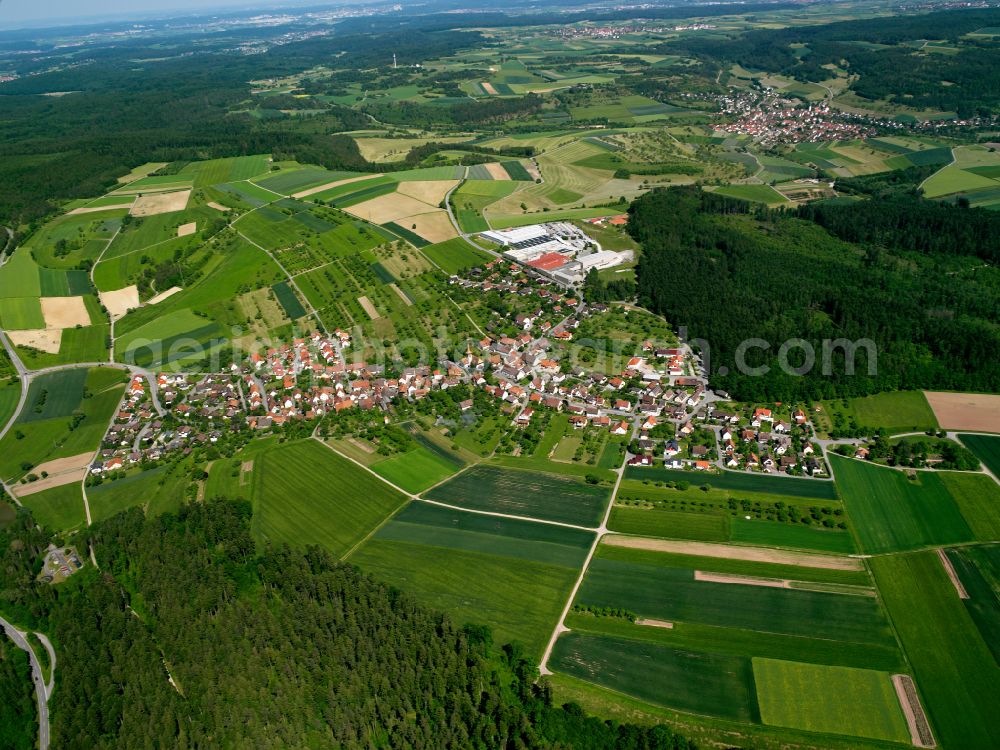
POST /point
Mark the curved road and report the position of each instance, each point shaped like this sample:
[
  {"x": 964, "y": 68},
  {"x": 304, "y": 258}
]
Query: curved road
[{"x": 42, "y": 692}]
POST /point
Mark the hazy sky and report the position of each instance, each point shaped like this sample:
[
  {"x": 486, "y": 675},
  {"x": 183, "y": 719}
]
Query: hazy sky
[{"x": 56, "y": 12}]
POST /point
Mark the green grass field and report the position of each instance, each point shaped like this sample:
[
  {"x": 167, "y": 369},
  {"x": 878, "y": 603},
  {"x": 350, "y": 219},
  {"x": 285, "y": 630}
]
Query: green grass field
[
  {"x": 702, "y": 527},
  {"x": 305, "y": 493},
  {"x": 159, "y": 490},
  {"x": 978, "y": 498},
  {"x": 34, "y": 440},
  {"x": 753, "y": 193},
  {"x": 834, "y": 700},
  {"x": 21, "y": 313},
  {"x": 525, "y": 493},
  {"x": 900, "y": 411},
  {"x": 986, "y": 448},
  {"x": 891, "y": 512},
  {"x": 749, "y": 643},
  {"x": 737, "y": 482},
  {"x": 661, "y": 592},
  {"x": 416, "y": 470},
  {"x": 979, "y": 570},
  {"x": 59, "y": 508},
  {"x": 511, "y": 575},
  {"x": 955, "y": 672},
  {"x": 10, "y": 394},
  {"x": 710, "y": 684},
  {"x": 55, "y": 394},
  {"x": 455, "y": 255}
]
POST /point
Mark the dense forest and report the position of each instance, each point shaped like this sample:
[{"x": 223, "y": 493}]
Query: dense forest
[
  {"x": 188, "y": 636},
  {"x": 18, "y": 713},
  {"x": 911, "y": 279}
]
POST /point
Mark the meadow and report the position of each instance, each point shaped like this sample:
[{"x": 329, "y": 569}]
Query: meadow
[
  {"x": 891, "y": 512},
  {"x": 304, "y": 493},
  {"x": 955, "y": 671},
  {"x": 525, "y": 493},
  {"x": 511, "y": 575}
]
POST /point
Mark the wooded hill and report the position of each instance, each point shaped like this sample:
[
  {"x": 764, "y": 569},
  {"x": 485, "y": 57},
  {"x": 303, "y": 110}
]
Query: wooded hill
[
  {"x": 914, "y": 276},
  {"x": 189, "y": 637}
]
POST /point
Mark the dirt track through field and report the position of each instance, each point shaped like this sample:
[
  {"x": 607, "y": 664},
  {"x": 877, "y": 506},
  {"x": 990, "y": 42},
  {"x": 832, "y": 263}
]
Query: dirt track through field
[
  {"x": 655, "y": 623},
  {"x": 164, "y": 295},
  {"x": 771, "y": 583},
  {"x": 734, "y": 552},
  {"x": 950, "y": 570},
  {"x": 975, "y": 412},
  {"x": 916, "y": 719},
  {"x": 217, "y": 206},
  {"x": 369, "y": 308},
  {"x": 402, "y": 295},
  {"x": 98, "y": 209}
]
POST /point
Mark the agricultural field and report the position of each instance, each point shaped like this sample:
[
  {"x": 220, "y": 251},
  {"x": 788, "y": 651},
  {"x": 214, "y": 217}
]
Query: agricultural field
[
  {"x": 740, "y": 482},
  {"x": 832, "y": 700},
  {"x": 159, "y": 490},
  {"x": 891, "y": 512},
  {"x": 65, "y": 414},
  {"x": 59, "y": 508},
  {"x": 658, "y": 586},
  {"x": 304, "y": 493},
  {"x": 986, "y": 448},
  {"x": 978, "y": 569},
  {"x": 525, "y": 493},
  {"x": 417, "y": 469},
  {"x": 954, "y": 669},
  {"x": 455, "y": 255},
  {"x": 511, "y": 575}
]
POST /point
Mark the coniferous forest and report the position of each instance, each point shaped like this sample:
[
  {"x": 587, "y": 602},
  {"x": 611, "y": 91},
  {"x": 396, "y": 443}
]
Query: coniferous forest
[
  {"x": 190, "y": 637},
  {"x": 913, "y": 276}
]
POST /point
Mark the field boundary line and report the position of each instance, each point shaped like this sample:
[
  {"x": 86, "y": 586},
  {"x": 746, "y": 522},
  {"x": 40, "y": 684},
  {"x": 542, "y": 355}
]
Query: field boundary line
[{"x": 417, "y": 498}]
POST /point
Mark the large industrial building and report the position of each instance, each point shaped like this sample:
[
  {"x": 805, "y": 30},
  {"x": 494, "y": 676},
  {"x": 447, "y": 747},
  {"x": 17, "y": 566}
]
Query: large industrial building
[{"x": 560, "y": 250}]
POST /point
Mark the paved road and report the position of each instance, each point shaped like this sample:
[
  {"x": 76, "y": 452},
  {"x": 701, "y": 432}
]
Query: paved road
[{"x": 41, "y": 691}]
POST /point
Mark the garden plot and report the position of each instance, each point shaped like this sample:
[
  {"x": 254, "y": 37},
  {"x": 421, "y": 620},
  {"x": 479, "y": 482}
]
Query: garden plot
[{"x": 160, "y": 203}]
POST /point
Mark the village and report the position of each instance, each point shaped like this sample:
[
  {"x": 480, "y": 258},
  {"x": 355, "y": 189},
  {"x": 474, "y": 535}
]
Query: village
[{"x": 658, "y": 400}]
